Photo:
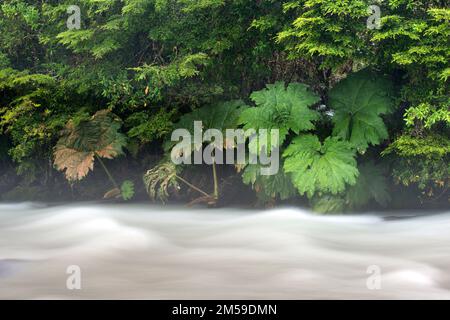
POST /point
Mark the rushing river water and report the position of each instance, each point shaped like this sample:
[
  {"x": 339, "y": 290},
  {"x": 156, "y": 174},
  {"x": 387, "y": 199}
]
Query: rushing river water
[{"x": 152, "y": 252}]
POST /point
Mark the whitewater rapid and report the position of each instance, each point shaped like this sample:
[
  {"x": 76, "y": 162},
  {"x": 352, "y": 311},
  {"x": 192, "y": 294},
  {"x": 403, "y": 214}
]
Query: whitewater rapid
[{"x": 152, "y": 252}]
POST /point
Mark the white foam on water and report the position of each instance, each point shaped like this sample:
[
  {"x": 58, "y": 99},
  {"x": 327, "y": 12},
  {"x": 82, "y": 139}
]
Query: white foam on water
[{"x": 152, "y": 252}]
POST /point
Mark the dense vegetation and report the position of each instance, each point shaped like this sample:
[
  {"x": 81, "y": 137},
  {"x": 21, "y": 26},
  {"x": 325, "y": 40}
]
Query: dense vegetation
[{"x": 363, "y": 113}]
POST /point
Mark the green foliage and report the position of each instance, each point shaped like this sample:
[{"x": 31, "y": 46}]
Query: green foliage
[
  {"x": 186, "y": 67},
  {"x": 328, "y": 204},
  {"x": 358, "y": 101},
  {"x": 327, "y": 29},
  {"x": 32, "y": 112},
  {"x": 81, "y": 142},
  {"x": 153, "y": 62},
  {"x": 127, "y": 190},
  {"x": 411, "y": 45},
  {"x": 320, "y": 168},
  {"x": 191, "y": 52},
  {"x": 149, "y": 127},
  {"x": 432, "y": 146},
  {"x": 427, "y": 115},
  {"x": 286, "y": 109},
  {"x": 424, "y": 162},
  {"x": 281, "y": 107},
  {"x": 20, "y": 22},
  {"x": 221, "y": 116},
  {"x": 415, "y": 34},
  {"x": 278, "y": 186},
  {"x": 431, "y": 176},
  {"x": 370, "y": 185}
]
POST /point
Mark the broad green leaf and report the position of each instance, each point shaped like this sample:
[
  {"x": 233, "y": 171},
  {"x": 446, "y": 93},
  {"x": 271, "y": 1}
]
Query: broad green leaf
[
  {"x": 371, "y": 184},
  {"x": 320, "y": 168},
  {"x": 358, "y": 103},
  {"x": 283, "y": 108},
  {"x": 222, "y": 116}
]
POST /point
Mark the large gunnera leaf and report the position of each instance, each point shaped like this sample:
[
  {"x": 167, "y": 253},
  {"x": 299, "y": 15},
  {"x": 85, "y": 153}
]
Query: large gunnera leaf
[
  {"x": 283, "y": 108},
  {"x": 221, "y": 116},
  {"x": 320, "y": 168},
  {"x": 81, "y": 142},
  {"x": 358, "y": 103},
  {"x": 371, "y": 186}
]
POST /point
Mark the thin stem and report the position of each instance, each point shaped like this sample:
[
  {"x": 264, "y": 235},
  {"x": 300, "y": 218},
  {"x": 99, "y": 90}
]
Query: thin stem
[
  {"x": 107, "y": 172},
  {"x": 216, "y": 184},
  {"x": 192, "y": 186}
]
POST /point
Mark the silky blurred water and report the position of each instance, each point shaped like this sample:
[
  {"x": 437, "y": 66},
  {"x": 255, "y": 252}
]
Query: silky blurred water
[{"x": 152, "y": 252}]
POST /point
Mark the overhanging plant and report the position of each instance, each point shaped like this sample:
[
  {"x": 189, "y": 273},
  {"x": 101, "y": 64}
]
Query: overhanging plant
[
  {"x": 84, "y": 141},
  {"x": 286, "y": 108},
  {"x": 162, "y": 178}
]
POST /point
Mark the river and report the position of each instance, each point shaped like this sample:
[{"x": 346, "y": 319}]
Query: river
[{"x": 137, "y": 251}]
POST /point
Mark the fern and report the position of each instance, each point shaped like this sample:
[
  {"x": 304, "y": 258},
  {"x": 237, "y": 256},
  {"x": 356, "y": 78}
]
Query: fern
[
  {"x": 358, "y": 102},
  {"x": 320, "y": 168}
]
